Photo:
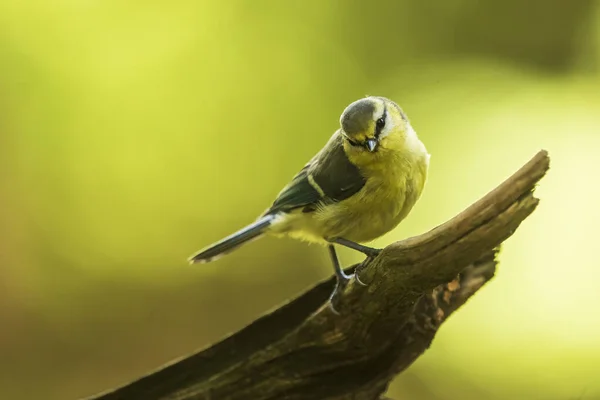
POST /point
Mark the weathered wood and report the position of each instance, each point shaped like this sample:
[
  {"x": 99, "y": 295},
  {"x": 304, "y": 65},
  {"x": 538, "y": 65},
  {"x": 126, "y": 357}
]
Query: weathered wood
[{"x": 303, "y": 351}]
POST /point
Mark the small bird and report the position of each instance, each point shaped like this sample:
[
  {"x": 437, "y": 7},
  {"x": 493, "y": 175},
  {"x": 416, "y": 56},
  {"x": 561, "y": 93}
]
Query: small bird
[{"x": 358, "y": 187}]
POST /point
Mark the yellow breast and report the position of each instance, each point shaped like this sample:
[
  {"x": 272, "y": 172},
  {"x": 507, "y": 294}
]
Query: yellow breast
[{"x": 394, "y": 184}]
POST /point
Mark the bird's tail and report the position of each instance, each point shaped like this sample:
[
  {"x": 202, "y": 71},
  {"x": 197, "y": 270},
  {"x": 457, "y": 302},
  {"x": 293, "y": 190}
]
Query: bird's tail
[{"x": 224, "y": 246}]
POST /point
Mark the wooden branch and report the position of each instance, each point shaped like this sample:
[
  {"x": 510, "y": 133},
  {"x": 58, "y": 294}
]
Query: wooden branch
[{"x": 304, "y": 351}]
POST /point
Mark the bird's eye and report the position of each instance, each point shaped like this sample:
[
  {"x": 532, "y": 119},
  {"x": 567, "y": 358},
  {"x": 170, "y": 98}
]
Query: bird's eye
[{"x": 380, "y": 123}]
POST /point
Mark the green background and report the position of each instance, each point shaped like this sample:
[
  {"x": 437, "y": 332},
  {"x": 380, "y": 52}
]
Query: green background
[{"x": 133, "y": 133}]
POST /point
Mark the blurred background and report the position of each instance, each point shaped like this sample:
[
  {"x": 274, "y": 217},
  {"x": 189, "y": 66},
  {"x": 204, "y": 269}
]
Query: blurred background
[{"x": 134, "y": 133}]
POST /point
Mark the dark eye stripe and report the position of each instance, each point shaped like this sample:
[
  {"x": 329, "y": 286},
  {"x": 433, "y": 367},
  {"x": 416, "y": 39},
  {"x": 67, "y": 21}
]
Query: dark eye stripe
[
  {"x": 380, "y": 123},
  {"x": 352, "y": 142}
]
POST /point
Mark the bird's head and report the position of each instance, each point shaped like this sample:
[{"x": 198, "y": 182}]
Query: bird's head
[{"x": 373, "y": 124}]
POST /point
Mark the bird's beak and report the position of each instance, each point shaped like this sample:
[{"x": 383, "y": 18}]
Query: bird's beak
[{"x": 371, "y": 144}]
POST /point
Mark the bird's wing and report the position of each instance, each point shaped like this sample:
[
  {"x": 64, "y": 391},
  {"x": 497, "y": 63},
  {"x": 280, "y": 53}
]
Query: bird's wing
[{"x": 329, "y": 177}]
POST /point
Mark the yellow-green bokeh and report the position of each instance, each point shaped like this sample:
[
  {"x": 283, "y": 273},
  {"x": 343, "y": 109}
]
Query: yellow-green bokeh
[{"x": 133, "y": 133}]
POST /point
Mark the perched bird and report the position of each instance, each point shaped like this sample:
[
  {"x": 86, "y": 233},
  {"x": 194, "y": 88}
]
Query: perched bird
[{"x": 358, "y": 187}]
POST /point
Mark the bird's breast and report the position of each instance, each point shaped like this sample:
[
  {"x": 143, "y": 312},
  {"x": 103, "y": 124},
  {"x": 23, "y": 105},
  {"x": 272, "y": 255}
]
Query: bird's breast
[{"x": 384, "y": 201}]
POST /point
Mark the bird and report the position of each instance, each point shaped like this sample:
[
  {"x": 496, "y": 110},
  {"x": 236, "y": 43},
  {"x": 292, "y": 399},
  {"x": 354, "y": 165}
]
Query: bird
[{"x": 359, "y": 186}]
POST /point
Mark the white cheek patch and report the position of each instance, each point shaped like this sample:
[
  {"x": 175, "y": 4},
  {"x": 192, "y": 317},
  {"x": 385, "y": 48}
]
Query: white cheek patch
[
  {"x": 413, "y": 143},
  {"x": 410, "y": 133}
]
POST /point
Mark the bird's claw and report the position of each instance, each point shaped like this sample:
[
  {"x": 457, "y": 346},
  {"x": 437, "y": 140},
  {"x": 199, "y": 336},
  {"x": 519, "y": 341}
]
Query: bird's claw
[
  {"x": 358, "y": 279},
  {"x": 332, "y": 308},
  {"x": 342, "y": 281},
  {"x": 361, "y": 266},
  {"x": 340, "y": 287}
]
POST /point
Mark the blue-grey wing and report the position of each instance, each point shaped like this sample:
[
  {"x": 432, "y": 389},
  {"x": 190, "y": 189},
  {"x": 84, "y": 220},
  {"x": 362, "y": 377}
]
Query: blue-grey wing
[
  {"x": 328, "y": 177},
  {"x": 299, "y": 193}
]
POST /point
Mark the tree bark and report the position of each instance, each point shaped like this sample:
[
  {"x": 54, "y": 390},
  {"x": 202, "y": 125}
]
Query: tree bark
[{"x": 304, "y": 351}]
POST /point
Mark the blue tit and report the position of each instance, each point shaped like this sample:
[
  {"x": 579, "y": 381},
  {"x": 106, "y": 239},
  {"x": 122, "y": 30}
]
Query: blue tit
[{"x": 362, "y": 183}]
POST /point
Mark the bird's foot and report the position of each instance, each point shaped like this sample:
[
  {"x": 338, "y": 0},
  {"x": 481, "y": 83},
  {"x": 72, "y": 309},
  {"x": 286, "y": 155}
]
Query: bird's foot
[
  {"x": 340, "y": 286},
  {"x": 363, "y": 264}
]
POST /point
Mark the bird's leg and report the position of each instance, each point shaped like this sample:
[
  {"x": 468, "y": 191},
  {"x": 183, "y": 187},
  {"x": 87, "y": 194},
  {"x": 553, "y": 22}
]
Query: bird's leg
[
  {"x": 368, "y": 251},
  {"x": 342, "y": 280}
]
